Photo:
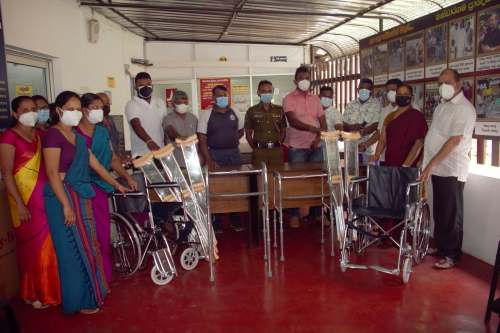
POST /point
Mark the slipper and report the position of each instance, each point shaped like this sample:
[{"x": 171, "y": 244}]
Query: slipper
[{"x": 445, "y": 263}]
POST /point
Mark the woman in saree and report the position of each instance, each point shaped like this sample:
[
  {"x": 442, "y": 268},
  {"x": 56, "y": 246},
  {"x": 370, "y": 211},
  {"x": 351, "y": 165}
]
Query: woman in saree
[
  {"x": 24, "y": 174},
  {"x": 98, "y": 141},
  {"x": 68, "y": 197},
  {"x": 403, "y": 133}
]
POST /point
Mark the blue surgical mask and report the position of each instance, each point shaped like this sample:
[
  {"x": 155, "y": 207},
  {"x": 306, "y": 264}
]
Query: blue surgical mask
[
  {"x": 222, "y": 101},
  {"x": 43, "y": 116},
  {"x": 364, "y": 94},
  {"x": 266, "y": 98}
]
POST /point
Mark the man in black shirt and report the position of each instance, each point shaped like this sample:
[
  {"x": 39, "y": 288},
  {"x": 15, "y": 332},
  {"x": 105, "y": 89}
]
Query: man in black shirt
[{"x": 491, "y": 40}]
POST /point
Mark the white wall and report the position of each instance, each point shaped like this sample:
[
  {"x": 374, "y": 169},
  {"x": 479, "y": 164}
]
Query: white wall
[
  {"x": 178, "y": 61},
  {"x": 58, "y": 28}
]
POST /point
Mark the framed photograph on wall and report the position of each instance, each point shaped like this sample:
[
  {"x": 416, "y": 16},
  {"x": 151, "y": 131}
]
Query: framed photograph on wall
[
  {"x": 468, "y": 88},
  {"x": 396, "y": 58},
  {"x": 461, "y": 43},
  {"x": 488, "y": 97},
  {"x": 436, "y": 47},
  {"x": 431, "y": 98},
  {"x": 418, "y": 95},
  {"x": 414, "y": 56},
  {"x": 366, "y": 63},
  {"x": 380, "y": 64},
  {"x": 488, "y": 37}
]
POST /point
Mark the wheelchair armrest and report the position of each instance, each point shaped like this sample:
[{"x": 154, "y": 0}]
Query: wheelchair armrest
[
  {"x": 128, "y": 194},
  {"x": 358, "y": 180},
  {"x": 163, "y": 185}
]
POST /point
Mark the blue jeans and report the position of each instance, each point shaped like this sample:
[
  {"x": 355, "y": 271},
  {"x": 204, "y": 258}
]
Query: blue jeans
[{"x": 302, "y": 155}]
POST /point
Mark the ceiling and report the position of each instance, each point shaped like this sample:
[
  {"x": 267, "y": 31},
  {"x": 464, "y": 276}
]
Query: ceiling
[{"x": 334, "y": 25}]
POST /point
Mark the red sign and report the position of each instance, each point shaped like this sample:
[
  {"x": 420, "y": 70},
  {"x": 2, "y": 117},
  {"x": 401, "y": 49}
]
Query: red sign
[
  {"x": 206, "y": 86},
  {"x": 169, "y": 94}
]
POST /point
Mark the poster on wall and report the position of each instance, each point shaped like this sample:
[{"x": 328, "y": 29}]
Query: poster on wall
[
  {"x": 468, "y": 88},
  {"x": 488, "y": 97},
  {"x": 418, "y": 95},
  {"x": 436, "y": 43},
  {"x": 206, "y": 86},
  {"x": 366, "y": 63},
  {"x": 396, "y": 59},
  {"x": 461, "y": 44},
  {"x": 4, "y": 93},
  {"x": 380, "y": 64},
  {"x": 414, "y": 54},
  {"x": 169, "y": 96},
  {"x": 488, "y": 36},
  {"x": 24, "y": 90},
  {"x": 240, "y": 94},
  {"x": 431, "y": 98}
]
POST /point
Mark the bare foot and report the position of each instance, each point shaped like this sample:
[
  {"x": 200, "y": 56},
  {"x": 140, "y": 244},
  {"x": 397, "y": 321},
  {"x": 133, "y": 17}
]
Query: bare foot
[{"x": 89, "y": 311}]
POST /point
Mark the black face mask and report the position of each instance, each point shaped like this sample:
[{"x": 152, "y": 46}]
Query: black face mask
[
  {"x": 403, "y": 100},
  {"x": 145, "y": 91},
  {"x": 106, "y": 109}
]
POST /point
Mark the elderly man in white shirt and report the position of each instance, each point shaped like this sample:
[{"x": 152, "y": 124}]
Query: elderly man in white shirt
[
  {"x": 362, "y": 115},
  {"x": 145, "y": 115},
  {"x": 446, "y": 160}
]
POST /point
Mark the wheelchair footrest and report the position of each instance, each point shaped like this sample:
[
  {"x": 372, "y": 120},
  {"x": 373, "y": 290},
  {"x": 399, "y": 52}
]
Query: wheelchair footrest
[{"x": 366, "y": 233}]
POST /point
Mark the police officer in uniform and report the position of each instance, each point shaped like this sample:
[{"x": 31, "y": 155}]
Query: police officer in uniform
[{"x": 265, "y": 126}]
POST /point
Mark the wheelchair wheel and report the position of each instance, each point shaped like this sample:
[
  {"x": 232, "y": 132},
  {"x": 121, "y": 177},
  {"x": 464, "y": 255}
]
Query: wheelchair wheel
[
  {"x": 125, "y": 245},
  {"x": 422, "y": 232},
  {"x": 189, "y": 258},
  {"x": 362, "y": 239},
  {"x": 159, "y": 278},
  {"x": 406, "y": 269}
]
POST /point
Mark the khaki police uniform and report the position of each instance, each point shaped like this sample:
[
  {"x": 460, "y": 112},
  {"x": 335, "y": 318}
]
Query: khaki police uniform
[{"x": 266, "y": 126}]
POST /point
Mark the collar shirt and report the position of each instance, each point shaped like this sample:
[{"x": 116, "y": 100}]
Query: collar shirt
[
  {"x": 453, "y": 118},
  {"x": 333, "y": 117},
  {"x": 363, "y": 113}
]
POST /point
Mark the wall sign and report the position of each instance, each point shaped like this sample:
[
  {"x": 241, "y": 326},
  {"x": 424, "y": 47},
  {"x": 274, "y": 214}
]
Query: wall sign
[
  {"x": 487, "y": 128},
  {"x": 4, "y": 93},
  {"x": 24, "y": 90},
  {"x": 206, "y": 86},
  {"x": 279, "y": 59}
]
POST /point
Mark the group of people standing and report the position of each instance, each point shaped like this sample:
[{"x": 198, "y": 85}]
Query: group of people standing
[
  {"x": 395, "y": 134},
  {"x": 56, "y": 162}
]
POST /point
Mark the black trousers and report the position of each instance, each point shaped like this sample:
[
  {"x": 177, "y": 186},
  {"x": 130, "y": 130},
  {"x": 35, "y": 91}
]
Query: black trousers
[{"x": 448, "y": 213}]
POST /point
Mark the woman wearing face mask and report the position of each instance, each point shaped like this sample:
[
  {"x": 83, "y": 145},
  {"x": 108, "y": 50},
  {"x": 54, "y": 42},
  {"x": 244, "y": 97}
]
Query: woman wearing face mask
[
  {"x": 24, "y": 175},
  {"x": 97, "y": 140},
  {"x": 403, "y": 132},
  {"x": 68, "y": 198},
  {"x": 43, "y": 112}
]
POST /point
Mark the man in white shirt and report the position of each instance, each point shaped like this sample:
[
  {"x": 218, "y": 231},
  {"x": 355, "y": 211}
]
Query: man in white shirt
[
  {"x": 145, "y": 115},
  {"x": 446, "y": 161},
  {"x": 333, "y": 116},
  {"x": 362, "y": 115}
]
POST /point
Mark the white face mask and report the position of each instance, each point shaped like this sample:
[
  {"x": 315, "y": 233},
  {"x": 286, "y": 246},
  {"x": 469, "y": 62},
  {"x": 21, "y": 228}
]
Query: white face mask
[
  {"x": 391, "y": 96},
  {"x": 71, "y": 118},
  {"x": 446, "y": 91},
  {"x": 28, "y": 119},
  {"x": 304, "y": 85},
  {"x": 181, "y": 108},
  {"x": 326, "y": 102},
  {"x": 95, "y": 116}
]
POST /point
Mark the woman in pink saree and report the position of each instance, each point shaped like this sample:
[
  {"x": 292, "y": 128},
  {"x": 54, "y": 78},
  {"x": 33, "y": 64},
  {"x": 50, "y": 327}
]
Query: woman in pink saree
[{"x": 24, "y": 176}]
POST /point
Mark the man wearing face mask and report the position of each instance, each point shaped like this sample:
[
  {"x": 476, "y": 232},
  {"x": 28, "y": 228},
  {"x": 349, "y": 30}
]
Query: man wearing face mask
[
  {"x": 390, "y": 105},
  {"x": 265, "y": 126},
  {"x": 362, "y": 115},
  {"x": 446, "y": 161},
  {"x": 179, "y": 124},
  {"x": 219, "y": 132},
  {"x": 332, "y": 115},
  {"x": 307, "y": 120},
  {"x": 145, "y": 115}
]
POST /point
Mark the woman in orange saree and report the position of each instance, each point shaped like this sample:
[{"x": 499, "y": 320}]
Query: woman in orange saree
[{"x": 24, "y": 175}]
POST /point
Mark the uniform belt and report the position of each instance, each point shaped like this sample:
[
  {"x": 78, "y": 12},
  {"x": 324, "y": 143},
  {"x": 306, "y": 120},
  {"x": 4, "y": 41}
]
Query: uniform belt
[{"x": 267, "y": 145}]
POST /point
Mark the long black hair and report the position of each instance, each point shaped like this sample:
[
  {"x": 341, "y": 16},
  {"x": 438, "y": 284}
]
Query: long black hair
[
  {"x": 60, "y": 101},
  {"x": 14, "y": 106}
]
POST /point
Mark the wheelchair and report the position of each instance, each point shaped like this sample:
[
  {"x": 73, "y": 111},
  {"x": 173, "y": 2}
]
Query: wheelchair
[
  {"x": 392, "y": 193},
  {"x": 140, "y": 227}
]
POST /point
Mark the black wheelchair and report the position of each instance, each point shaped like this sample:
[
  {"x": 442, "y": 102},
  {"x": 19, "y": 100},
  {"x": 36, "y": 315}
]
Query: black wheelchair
[{"x": 393, "y": 194}]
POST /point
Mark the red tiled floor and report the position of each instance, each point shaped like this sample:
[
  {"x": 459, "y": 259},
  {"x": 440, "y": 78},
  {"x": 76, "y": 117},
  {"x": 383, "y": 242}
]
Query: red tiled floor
[{"x": 307, "y": 293}]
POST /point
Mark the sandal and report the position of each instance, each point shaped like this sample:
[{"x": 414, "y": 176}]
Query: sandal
[
  {"x": 445, "y": 263},
  {"x": 39, "y": 305},
  {"x": 89, "y": 311}
]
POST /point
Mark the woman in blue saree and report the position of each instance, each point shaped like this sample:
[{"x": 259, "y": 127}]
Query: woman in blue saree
[{"x": 68, "y": 202}]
